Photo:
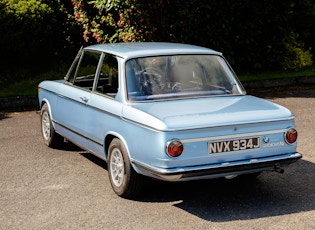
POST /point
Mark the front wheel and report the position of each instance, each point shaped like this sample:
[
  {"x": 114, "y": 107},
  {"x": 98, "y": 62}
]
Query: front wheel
[
  {"x": 51, "y": 138},
  {"x": 124, "y": 180}
]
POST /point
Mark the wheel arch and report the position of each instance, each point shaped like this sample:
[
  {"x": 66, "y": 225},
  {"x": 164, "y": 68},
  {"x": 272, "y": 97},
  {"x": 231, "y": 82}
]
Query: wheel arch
[
  {"x": 108, "y": 139},
  {"x": 43, "y": 102}
]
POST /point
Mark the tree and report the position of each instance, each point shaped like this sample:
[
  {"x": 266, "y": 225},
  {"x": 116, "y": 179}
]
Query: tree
[
  {"x": 109, "y": 20},
  {"x": 32, "y": 31},
  {"x": 253, "y": 35}
]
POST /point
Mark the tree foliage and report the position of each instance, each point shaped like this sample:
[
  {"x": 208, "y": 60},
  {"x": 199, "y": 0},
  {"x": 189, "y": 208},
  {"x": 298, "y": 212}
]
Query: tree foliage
[
  {"x": 109, "y": 21},
  {"x": 23, "y": 19},
  {"x": 32, "y": 31},
  {"x": 252, "y": 34}
]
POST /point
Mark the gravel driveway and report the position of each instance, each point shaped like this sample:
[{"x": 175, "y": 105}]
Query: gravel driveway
[{"x": 68, "y": 188}]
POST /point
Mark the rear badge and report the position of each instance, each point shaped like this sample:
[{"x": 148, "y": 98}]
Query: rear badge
[
  {"x": 266, "y": 144},
  {"x": 266, "y": 139}
]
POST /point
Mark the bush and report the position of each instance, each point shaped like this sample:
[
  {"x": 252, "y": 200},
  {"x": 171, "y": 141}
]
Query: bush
[
  {"x": 24, "y": 31},
  {"x": 253, "y": 35},
  {"x": 249, "y": 33},
  {"x": 109, "y": 21},
  {"x": 34, "y": 34},
  {"x": 32, "y": 30},
  {"x": 296, "y": 57}
]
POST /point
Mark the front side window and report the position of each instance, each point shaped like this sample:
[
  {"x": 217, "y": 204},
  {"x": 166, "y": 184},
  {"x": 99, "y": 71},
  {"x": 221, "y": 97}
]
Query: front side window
[
  {"x": 179, "y": 76},
  {"x": 83, "y": 73}
]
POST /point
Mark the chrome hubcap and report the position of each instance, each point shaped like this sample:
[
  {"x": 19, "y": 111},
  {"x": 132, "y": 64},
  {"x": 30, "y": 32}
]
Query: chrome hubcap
[
  {"x": 117, "y": 167},
  {"x": 46, "y": 125}
]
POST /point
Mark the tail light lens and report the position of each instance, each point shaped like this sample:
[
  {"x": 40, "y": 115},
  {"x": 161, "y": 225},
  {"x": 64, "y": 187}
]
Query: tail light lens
[
  {"x": 291, "y": 136},
  {"x": 174, "y": 148}
]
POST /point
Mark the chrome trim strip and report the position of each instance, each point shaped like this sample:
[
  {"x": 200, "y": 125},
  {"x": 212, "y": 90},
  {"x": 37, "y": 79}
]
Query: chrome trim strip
[
  {"x": 233, "y": 136},
  {"x": 53, "y": 92},
  {"x": 143, "y": 125},
  {"x": 90, "y": 106},
  {"x": 104, "y": 111},
  {"x": 206, "y": 127},
  {"x": 70, "y": 99},
  {"x": 77, "y": 133}
]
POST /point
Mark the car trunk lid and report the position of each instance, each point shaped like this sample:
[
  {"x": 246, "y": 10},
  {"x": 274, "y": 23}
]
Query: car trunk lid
[{"x": 205, "y": 112}]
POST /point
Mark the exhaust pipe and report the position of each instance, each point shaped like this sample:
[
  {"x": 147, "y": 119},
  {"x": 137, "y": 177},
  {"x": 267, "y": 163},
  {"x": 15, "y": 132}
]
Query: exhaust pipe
[{"x": 278, "y": 169}]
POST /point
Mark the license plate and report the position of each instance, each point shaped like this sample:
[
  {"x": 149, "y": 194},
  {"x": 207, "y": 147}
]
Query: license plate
[{"x": 234, "y": 145}]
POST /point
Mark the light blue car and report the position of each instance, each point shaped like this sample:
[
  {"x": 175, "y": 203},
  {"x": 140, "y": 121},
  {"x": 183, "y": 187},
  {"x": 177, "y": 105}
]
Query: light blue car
[{"x": 173, "y": 112}]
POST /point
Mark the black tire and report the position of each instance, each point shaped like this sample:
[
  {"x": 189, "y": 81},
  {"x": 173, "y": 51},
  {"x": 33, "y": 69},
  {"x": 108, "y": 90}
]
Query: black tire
[
  {"x": 124, "y": 180},
  {"x": 51, "y": 138}
]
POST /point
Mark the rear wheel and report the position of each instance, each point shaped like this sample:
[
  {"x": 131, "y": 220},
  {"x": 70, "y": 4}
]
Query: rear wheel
[
  {"x": 124, "y": 180},
  {"x": 51, "y": 138}
]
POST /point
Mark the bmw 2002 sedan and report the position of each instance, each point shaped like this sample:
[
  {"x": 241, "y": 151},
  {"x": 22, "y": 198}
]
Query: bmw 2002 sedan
[{"x": 168, "y": 111}]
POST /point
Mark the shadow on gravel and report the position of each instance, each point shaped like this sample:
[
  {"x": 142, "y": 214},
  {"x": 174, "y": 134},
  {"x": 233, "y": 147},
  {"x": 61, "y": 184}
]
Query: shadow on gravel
[
  {"x": 101, "y": 163},
  {"x": 68, "y": 146},
  {"x": 221, "y": 200},
  {"x": 3, "y": 116}
]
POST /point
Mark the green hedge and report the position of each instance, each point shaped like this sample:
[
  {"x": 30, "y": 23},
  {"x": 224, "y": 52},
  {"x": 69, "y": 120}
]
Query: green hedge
[
  {"x": 32, "y": 30},
  {"x": 253, "y": 35},
  {"x": 34, "y": 36}
]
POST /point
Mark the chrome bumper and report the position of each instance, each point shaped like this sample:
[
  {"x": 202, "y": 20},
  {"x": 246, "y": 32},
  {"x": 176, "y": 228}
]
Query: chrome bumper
[{"x": 219, "y": 169}]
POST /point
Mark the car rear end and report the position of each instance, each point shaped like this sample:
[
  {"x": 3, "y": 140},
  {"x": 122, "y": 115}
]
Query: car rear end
[{"x": 217, "y": 144}]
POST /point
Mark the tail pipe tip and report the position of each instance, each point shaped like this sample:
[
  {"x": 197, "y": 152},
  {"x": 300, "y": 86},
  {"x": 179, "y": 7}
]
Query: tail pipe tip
[{"x": 278, "y": 169}]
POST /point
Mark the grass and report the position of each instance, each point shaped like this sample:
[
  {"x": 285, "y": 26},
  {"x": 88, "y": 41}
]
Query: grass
[
  {"x": 29, "y": 79},
  {"x": 310, "y": 71}
]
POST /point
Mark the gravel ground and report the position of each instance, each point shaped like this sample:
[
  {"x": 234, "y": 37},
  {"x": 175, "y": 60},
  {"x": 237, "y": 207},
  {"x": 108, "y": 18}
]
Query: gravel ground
[{"x": 68, "y": 188}]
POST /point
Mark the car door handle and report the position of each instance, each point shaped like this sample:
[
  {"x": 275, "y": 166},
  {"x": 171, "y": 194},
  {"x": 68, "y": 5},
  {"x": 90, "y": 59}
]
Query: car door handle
[{"x": 85, "y": 99}]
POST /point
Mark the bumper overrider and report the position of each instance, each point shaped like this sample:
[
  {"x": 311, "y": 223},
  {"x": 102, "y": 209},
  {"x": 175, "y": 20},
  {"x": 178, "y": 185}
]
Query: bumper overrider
[{"x": 274, "y": 163}]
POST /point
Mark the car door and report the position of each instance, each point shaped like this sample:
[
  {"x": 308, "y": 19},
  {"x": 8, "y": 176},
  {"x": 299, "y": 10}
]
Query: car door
[
  {"x": 74, "y": 96},
  {"x": 103, "y": 108}
]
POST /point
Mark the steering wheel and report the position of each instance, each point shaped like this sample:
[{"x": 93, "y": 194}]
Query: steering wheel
[
  {"x": 152, "y": 81},
  {"x": 154, "y": 71}
]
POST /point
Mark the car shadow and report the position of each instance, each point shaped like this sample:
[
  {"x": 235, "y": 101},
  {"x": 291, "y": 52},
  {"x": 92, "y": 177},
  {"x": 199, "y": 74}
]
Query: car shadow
[
  {"x": 3, "y": 116},
  {"x": 69, "y": 147},
  {"x": 96, "y": 160},
  {"x": 221, "y": 200}
]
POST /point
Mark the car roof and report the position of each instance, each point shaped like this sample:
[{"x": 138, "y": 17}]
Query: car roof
[{"x": 140, "y": 49}]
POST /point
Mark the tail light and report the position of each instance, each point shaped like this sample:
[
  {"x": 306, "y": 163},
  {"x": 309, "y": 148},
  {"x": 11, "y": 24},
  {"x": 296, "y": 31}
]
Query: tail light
[
  {"x": 174, "y": 148},
  {"x": 291, "y": 136}
]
